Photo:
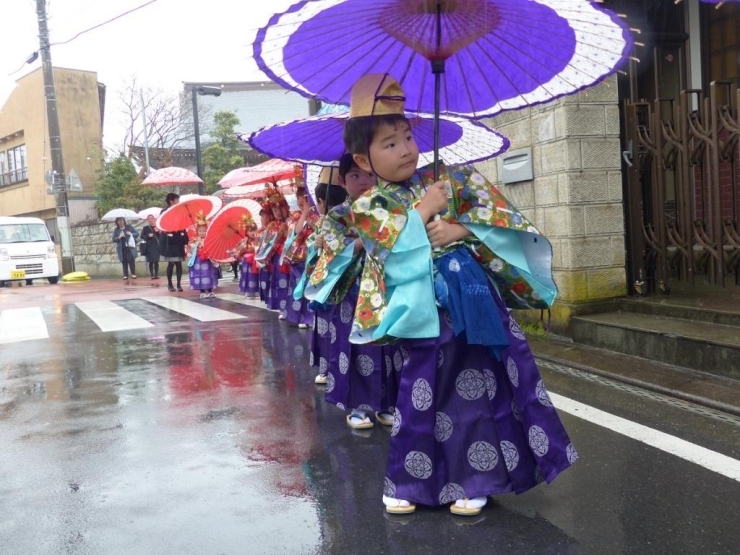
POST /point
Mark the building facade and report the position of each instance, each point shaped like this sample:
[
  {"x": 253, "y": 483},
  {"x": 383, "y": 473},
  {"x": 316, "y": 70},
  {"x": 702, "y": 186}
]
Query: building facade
[
  {"x": 636, "y": 181},
  {"x": 24, "y": 145}
]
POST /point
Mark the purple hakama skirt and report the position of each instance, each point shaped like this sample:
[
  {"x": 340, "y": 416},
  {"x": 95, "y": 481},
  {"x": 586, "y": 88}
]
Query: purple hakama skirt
[
  {"x": 297, "y": 312},
  {"x": 248, "y": 282},
  {"x": 277, "y": 295},
  {"x": 364, "y": 376},
  {"x": 264, "y": 284},
  {"x": 203, "y": 275},
  {"x": 323, "y": 355},
  {"x": 468, "y": 425}
]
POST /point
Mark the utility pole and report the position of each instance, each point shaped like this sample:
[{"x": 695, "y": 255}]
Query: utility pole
[{"x": 55, "y": 141}]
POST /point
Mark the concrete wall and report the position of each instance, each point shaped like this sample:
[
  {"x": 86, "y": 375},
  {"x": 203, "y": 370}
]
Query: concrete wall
[
  {"x": 95, "y": 253},
  {"x": 575, "y": 198}
]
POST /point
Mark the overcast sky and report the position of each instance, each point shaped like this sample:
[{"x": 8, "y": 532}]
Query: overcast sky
[{"x": 163, "y": 44}]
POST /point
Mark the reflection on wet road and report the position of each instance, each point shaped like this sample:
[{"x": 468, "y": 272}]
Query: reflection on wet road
[{"x": 210, "y": 437}]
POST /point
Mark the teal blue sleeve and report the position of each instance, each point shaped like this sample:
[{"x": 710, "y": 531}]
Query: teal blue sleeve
[
  {"x": 529, "y": 253},
  {"x": 411, "y": 309},
  {"x": 301, "y": 283},
  {"x": 336, "y": 268}
]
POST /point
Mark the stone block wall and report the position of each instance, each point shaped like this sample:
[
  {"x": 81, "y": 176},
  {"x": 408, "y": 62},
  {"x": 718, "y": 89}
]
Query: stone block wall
[
  {"x": 93, "y": 250},
  {"x": 575, "y": 198}
]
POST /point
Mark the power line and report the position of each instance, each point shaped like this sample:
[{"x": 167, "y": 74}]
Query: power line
[
  {"x": 34, "y": 55},
  {"x": 104, "y": 23}
]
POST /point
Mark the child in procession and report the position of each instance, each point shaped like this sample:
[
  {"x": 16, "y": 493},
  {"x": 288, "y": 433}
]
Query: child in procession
[
  {"x": 472, "y": 416},
  {"x": 203, "y": 272}
]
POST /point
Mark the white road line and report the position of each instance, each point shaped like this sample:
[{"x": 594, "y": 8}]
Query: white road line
[
  {"x": 240, "y": 299},
  {"x": 22, "y": 324},
  {"x": 716, "y": 462},
  {"x": 198, "y": 311},
  {"x": 111, "y": 317}
]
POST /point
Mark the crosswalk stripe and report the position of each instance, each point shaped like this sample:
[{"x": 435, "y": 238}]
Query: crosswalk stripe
[
  {"x": 22, "y": 324},
  {"x": 111, "y": 317},
  {"x": 240, "y": 299},
  {"x": 198, "y": 311}
]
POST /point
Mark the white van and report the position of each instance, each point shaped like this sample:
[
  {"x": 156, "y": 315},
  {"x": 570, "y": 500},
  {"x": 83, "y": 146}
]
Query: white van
[{"x": 26, "y": 251}]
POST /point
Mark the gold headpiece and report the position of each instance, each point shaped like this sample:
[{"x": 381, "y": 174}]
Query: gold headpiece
[
  {"x": 329, "y": 175},
  {"x": 200, "y": 218},
  {"x": 246, "y": 223},
  {"x": 376, "y": 94}
]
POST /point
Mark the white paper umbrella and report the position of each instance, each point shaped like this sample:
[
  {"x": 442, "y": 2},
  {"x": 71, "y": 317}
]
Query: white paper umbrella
[
  {"x": 124, "y": 213},
  {"x": 151, "y": 211}
]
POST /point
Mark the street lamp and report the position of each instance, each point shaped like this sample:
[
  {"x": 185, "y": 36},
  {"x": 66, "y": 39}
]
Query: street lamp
[{"x": 201, "y": 90}]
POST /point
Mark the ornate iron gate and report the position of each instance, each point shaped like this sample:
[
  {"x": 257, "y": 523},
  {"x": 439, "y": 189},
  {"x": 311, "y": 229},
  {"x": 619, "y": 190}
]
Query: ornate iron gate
[{"x": 683, "y": 188}]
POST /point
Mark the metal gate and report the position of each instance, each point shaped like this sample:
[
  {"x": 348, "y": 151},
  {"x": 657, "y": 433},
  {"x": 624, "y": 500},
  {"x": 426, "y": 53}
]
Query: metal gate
[{"x": 683, "y": 188}]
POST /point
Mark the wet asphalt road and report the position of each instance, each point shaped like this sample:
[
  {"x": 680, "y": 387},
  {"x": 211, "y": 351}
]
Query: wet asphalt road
[{"x": 210, "y": 438}]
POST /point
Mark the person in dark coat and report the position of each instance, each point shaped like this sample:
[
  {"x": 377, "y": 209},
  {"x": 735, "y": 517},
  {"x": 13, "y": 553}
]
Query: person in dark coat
[
  {"x": 172, "y": 247},
  {"x": 124, "y": 236},
  {"x": 150, "y": 238}
]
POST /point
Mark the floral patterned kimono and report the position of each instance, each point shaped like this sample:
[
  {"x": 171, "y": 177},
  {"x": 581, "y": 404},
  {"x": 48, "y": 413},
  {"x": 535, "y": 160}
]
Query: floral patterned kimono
[
  {"x": 362, "y": 377},
  {"x": 473, "y": 417},
  {"x": 267, "y": 258},
  {"x": 295, "y": 253}
]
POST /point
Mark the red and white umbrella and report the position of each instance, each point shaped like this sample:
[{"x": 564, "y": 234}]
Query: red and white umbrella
[
  {"x": 270, "y": 171},
  {"x": 172, "y": 176},
  {"x": 186, "y": 213},
  {"x": 228, "y": 228}
]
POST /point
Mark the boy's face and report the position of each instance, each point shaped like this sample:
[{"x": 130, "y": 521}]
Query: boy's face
[
  {"x": 202, "y": 231},
  {"x": 302, "y": 201},
  {"x": 358, "y": 181},
  {"x": 393, "y": 153},
  {"x": 265, "y": 218}
]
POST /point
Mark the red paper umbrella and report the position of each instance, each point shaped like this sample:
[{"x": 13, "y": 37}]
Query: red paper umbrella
[
  {"x": 252, "y": 205},
  {"x": 172, "y": 176},
  {"x": 228, "y": 228},
  {"x": 270, "y": 171},
  {"x": 187, "y": 213}
]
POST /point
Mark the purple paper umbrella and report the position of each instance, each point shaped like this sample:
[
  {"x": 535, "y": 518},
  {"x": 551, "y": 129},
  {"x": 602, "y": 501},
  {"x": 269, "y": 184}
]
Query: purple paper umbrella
[
  {"x": 494, "y": 54},
  {"x": 318, "y": 139}
]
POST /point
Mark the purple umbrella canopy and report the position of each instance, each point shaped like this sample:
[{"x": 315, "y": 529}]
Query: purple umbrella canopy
[
  {"x": 318, "y": 139},
  {"x": 491, "y": 55}
]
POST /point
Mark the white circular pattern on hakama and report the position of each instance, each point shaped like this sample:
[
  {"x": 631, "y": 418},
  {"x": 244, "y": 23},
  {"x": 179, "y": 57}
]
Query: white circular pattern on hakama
[
  {"x": 345, "y": 312},
  {"x": 421, "y": 394},
  {"x": 490, "y": 383},
  {"x": 511, "y": 455},
  {"x": 263, "y": 284},
  {"x": 364, "y": 365},
  {"x": 388, "y": 365},
  {"x": 515, "y": 330},
  {"x": 333, "y": 332},
  {"x": 482, "y": 456},
  {"x": 322, "y": 326},
  {"x": 196, "y": 266},
  {"x": 515, "y": 410},
  {"x": 343, "y": 363},
  {"x": 397, "y": 361},
  {"x": 397, "y": 422},
  {"x": 441, "y": 359},
  {"x": 389, "y": 488},
  {"x": 451, "y": 493},
  {"x": 323, "y": 365},
  {"x": 538, "y": 476},
  {"x": 283, "y": 304},
  {"x": 296, "y": 305},
  {"x": 404, "y": 354},
  {"x": 418, "y": 464},
  {"x": 366, "y": 408},
  {"x": 310, "y": 359},
  {"x": 538, "y": 441},
  {"x": 341, "y": 406},
  {"x": 454, "y": 265},
  {"x": 443, "y": 427},
  {"x": 542, "y": 395},
  {"x": 282, "y": 283},
  {"x": 196, "y": 280},
  {"x": 512, "y": 371},
  {"x": 330, "y": 383},
  {"x": 470, "y": 384},
  {"x": 571, "y": 453}
]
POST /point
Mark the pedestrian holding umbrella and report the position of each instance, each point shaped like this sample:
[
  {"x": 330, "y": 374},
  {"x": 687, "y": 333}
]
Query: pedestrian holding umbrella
[{"x": 113, "y": 215}]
